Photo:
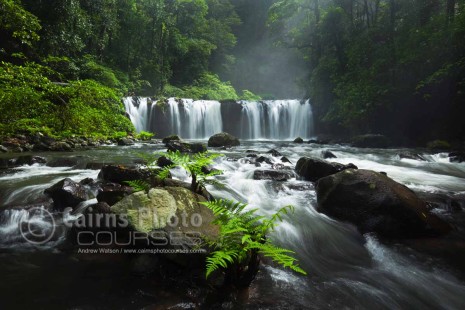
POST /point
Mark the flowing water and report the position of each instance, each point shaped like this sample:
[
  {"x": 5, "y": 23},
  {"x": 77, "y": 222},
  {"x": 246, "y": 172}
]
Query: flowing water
[
  {"x": 252, "y": 120},
  {"x": 345, "y": 269}
]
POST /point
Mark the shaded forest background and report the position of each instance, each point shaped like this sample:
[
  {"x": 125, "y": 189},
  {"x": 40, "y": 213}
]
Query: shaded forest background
[{"x": 369, "y": 66}]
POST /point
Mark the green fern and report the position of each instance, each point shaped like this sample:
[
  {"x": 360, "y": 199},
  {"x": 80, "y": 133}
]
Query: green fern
[
  {"x": 244, "y": 232},
  {"x": 139, "y": 185}
]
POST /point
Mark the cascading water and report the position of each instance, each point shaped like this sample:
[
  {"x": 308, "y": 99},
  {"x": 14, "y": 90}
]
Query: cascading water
[{"x": 253, "y": 120}]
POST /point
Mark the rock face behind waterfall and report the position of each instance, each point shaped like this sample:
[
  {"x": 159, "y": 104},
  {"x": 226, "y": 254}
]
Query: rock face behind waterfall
[
  {"x": 313, "y": 169},
  {"x": 375, "y": 203},
  {"x": 223, "y": 139}
]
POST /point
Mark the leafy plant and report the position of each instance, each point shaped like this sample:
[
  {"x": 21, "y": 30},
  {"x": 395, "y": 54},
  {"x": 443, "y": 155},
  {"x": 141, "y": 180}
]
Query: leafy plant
[
  {"x": 243, "y": 236},
  {"x": 144, "y": 135},
  {"x": 139, "y": 185},
  {"x": 195, "y": 165}
]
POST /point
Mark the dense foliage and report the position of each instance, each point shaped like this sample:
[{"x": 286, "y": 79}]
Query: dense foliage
[{"x": 389, "y": 66}]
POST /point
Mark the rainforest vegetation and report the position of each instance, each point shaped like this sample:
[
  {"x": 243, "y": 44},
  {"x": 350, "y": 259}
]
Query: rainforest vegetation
[{"x": 373, "y": 66}]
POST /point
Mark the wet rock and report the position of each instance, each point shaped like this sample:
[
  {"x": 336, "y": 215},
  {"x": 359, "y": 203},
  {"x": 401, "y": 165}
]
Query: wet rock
[
  {"x": 410, "y": 155},
  {"x": 111, "y": 193},
  {"x": 457, "y": 157},
  {"x": 185, "y": 147},
  {"x": 30, "y": 160},
  {"x": 371, "y": 141},
  {"x": 285, "y": 160},
  {"x": 445, "y": 202},
  {"x": 67, "y": 194},
  {"x": 125, "y": 142},
  {"x": 274, "y": 175},
  {"x": 3, "y": 149},
  {"x": 327, "y": 154},
  {"x": 299, "y": 140},
  {"x": 274, "y": 153},
  {"x": 252, "y": 155},
  {"x": 122, "y": 174},
  {"x": 223, "y": 139},
  {"x": 163, "y": 161},
  {"x": 313, "y": 169},
  {"x": 40, "y": 146},
  {"x": 376, "y": 203},
  {"x": 60, "y": 147},
  {"x": 263, "y": 159},
  {"x": 171, "y": 138}
]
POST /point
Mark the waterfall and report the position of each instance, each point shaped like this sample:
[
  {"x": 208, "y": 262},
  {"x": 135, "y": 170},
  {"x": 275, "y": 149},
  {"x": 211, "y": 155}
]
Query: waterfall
[{"x": 200, "y": 119}]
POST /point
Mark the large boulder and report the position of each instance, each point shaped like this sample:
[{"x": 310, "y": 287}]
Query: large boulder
[
  {"x": 375, "y": 203},
  {"x": 125, "y": 142},
  {"x": 223, "y": 139},
  {"x": 313, "y": 169},
  {"x": 185, "y": 147},
  {"x": 122, "y": 174},
  {"x": 299, "y": 140},
  {"x": 67, "y": 194},
  {"x": 274, "y": 175},
  {"x": 368, "y": 141}
]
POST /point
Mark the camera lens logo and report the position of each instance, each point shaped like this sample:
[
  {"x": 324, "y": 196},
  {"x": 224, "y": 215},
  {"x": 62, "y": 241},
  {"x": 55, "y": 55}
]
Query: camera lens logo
[{"x": 39, "y": 227}]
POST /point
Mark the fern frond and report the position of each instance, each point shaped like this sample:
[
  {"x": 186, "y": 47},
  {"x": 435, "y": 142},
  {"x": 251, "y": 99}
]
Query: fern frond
[
  {"x": 139, "y": 185},
  {"x": 219, "y": 259}
]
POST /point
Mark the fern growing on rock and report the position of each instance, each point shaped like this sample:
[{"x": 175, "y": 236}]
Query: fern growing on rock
[{"x": 243, "y": 237}]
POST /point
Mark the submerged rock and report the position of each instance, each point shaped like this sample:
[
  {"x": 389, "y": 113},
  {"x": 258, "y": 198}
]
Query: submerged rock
[
  {"x": 223, "y": 139},
  {"x": 374, "y": 141},
  {"x": 375, "y": 203},
  {"x": 274, "y": 175},
  {"x": 274, "y": 153},
  {"x": 411, "y": 155},
  {"x": 313, "y": 169},
  {"x": 30, "y": 160},
  {"x": 457, "y": 157}
]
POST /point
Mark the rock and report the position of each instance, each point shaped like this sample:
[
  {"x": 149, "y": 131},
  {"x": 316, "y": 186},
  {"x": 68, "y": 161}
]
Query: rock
[
  {"x": 457, "y": 157},
  {"x": 122, "y": 174},
  {"x": 170, "y": 209},
  {"x": 164, "y": 162},
  {"x": 299, "y": 140},
  {"x": 223, "y": 139},
  {"x": 371, "y": 141},
  {"x": 252, "y": 155},
  {"x": 285, "y": 160},
  {"x": 313, "y": 169},
  {"x": 274, "y": 175},
  {"x": 63, "y": 162},
  {"x": 327, "y": 154},
  {"x": 410, "y": 155},
  {"x": 375, "y": 203},
  {"x": 40, "y": 146},
  {"x": 30, "y": 160},
  {"x": 438, "y": 145},
  {"x": 125, "y": 142},
  {"x": 3, "y": 149},
  {"x": 60, "y": 147},
  {"x": 67, "y": 193},
  {"x": 263, "y": 159},
  {"x": 185, "y": 147},
  {"x": 171, "y": 138},
  {"x": 274, "y": 153},
  {"x": 111, "y": 193}
]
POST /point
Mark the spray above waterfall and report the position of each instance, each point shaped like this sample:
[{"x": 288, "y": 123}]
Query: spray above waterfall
[{"x": 199, "y": 119}]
